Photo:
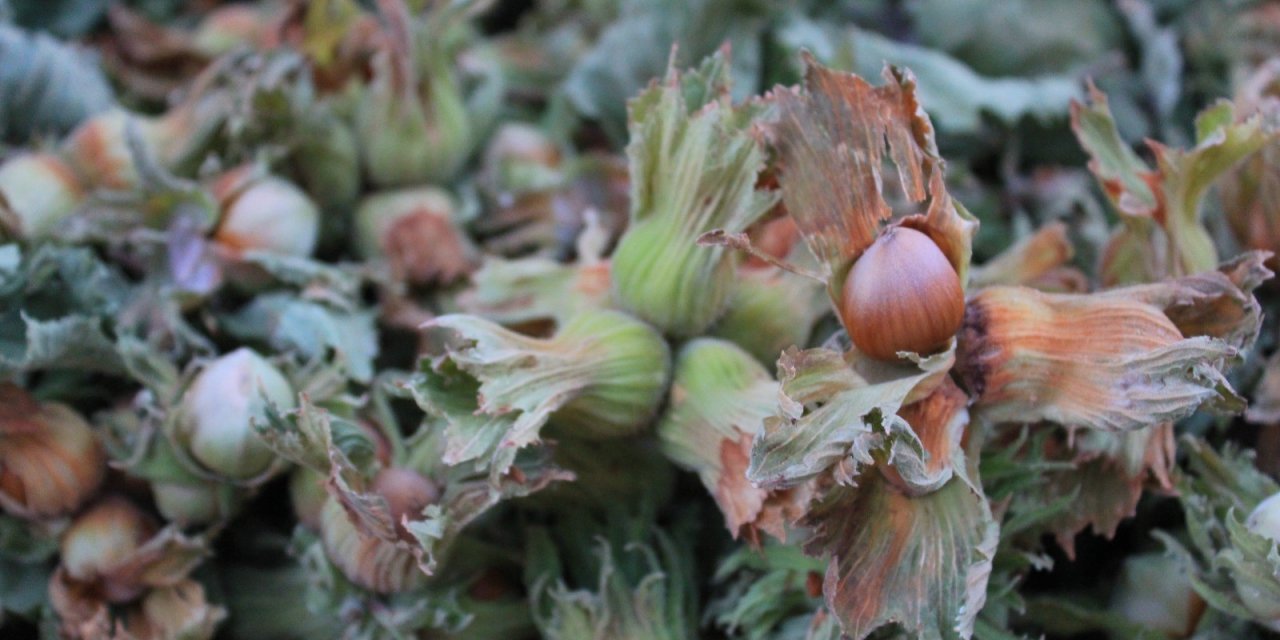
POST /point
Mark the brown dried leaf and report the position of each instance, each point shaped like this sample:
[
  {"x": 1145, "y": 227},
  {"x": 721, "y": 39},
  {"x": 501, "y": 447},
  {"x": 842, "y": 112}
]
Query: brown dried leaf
[{"x": 832, "y": 137}]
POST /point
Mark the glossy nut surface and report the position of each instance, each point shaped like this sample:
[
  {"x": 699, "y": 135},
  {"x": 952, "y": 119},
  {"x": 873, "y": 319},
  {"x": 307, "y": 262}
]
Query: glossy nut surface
[{"x": 901, "y": 295}]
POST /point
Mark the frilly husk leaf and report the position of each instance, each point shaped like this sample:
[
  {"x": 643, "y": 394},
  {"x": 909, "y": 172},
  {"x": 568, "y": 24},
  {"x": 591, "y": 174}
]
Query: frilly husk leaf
[
  {"x": 1109, "y": 473},
  {"x": 313, "y": 330},
  {"x": 832, "y": 139},
  {"x": 719, "y": 399},
  {"x": 1218, "y": 303},
  {"x": 526, "y": 290},
  {"x": 602, "y": 375},
  {"x": 856, "y": 421},
  {"x": 164, "y": 561},
  {"x": 694, "y": 166},
  {"x": 921, "y": 562},
  {"x": 308, "y": 437},
  {"x": 1104, "y": 361}
]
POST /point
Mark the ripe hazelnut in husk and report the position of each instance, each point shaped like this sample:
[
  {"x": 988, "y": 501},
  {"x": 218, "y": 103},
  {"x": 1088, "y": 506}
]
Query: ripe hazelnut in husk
[
  {"x": 370, "y": 561},
  {"x": 264, "y": 213},
  {"x": 50, "y": 460},
  {"x": 100, "y": 544},
  {"x": 901, "y": 295}
]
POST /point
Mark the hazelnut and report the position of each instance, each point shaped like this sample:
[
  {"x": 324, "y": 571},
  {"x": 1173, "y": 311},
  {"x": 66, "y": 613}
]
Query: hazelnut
[{"x": 902, "y": 294}]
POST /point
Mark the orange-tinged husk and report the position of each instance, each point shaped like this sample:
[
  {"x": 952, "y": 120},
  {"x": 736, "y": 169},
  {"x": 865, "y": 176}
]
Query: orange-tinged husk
[
  {"x": 1102, "y": 360},
  {"x": 264, "y": 213},
  {"x": 50, "y": 460},
  {"x": 417, "y": 232},
  {"x": 939, "y": 421},
  {"x": 99, "y": 147},
  {"x": 369, "y": 561}
]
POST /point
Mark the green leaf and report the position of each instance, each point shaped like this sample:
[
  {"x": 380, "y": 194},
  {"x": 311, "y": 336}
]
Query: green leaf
[
  {"x": 59, "y": 309},
  {"x": 23, "y": 587},
  {"x": 621, "y": 580},
  {"x": 312, "y": 330},
  {"x": 763, "y": 593},
  {"x": 635, "y": 48},
  {"x": 74, "y": 342},
  {"x": 956, "y": 97},
  {"x": 1018, "y": 37}
]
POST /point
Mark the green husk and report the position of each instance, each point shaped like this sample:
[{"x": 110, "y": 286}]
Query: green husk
[
  {"x": 602, "y": 375},
  {"x": 694, "y": 165}
]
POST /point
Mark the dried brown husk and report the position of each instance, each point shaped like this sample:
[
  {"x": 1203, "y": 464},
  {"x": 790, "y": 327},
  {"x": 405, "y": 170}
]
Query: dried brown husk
[{"x": 1106, "y": 361}]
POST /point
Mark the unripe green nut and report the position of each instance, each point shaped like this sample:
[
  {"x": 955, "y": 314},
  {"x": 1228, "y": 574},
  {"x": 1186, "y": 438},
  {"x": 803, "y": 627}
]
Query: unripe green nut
[{"x": 219, "y": 408}]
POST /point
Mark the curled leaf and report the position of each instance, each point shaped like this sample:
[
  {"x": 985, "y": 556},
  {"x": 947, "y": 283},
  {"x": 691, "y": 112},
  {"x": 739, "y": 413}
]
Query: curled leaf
[
  {"x": 1032, "y": 258},
  {"x": 1162, "y": 233}
]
